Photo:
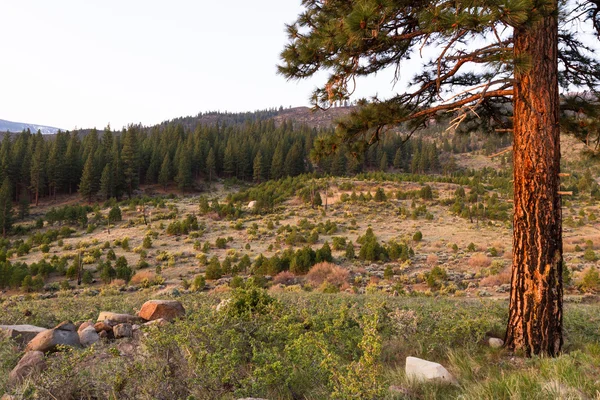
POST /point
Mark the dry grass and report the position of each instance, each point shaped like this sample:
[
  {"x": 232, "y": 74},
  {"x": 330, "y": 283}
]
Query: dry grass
[
  {"x": 479, "y": 260},
  {"x": 497, "y": 280},
  {"x": 432, "y": 260},
  {"x": 139, "y": 277}
]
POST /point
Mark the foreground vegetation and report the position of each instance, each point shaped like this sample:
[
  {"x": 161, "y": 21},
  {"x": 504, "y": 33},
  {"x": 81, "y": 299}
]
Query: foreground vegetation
[{"x": 289, "y": 345}]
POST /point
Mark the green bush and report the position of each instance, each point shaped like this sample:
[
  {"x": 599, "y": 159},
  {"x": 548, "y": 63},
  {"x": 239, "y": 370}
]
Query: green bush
[{"x": 418, "y": 236}]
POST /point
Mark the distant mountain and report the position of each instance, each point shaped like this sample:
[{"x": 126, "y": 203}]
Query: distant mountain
[{"x": 9, "y": 126}]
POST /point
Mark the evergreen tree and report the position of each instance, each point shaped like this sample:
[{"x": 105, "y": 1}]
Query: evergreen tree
[
  {"x": 277, "y": 162},
  {"x": 165, "y": 172},
  {"x": 88, "y": 186},
  {"x": 107, "y": 182},
  {"x": 258, "y": 168},
  {"x": 130, "y": 160},
  {"x": 211, "y": 164},
  {"x": 6, "y": 211},
  {"x": 38, "y": 169},
  {"x": 184, "y": 172},
  {"x": 520, "y": 67}
]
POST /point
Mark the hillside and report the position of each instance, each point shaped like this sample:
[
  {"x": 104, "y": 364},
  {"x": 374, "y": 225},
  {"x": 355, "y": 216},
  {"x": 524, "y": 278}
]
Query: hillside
[{"x": 15, "y": 127}]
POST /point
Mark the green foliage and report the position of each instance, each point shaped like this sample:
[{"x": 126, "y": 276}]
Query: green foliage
[
  {"x": 436, "y": 277},
  {"x": 418, "y": 236},
  {"x": 590, "y": 281},
  {"x": 213, "y": 269}
]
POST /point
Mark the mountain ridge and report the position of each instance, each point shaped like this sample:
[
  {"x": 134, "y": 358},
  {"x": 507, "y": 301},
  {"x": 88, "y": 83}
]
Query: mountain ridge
[{"x": 15, "y": 127}]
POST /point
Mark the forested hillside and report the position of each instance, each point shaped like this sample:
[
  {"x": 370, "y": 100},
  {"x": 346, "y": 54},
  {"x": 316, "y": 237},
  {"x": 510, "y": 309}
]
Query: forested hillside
[{"x": 106, "y": 164}]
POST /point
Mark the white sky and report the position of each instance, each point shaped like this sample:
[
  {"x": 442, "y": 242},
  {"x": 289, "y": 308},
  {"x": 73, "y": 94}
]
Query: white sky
[{"x": 74, "y": 63}]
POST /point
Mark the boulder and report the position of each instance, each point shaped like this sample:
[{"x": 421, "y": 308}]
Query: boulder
[
  {"x": 105, "y": 325},
  {"x": 419, "y": 369},
  {"x": 495, "y": 343},
  {"x": 84, "y": 325},
  {"x": 88, "y": 336},
  {"x": 21, "y": 333},
  {"x": 118, "y": 318},
  {"x": 251, "y": 205},
  {"x": 63, "y": 334},
  {"x": 122, "y": 331},
  {"x": 31, "y": 363},
  {"x": 166, "y": 309}
]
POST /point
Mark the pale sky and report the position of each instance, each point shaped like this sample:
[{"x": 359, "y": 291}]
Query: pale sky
[{"x": 74, "y": 63}]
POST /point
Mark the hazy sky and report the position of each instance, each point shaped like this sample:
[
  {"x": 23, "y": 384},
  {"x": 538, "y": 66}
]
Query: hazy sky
[{"x": 74, "y": 63}]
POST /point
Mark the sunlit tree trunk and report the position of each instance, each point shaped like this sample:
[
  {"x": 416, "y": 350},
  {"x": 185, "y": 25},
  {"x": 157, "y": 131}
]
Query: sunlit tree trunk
[{"x": 535, "y": 316}]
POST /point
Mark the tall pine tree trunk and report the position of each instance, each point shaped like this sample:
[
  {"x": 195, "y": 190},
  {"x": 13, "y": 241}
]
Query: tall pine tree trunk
[{"x": 535, "y": 315}]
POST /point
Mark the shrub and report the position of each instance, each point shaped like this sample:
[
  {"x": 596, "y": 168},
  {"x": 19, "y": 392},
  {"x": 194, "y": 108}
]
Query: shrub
[
  {"x": 221, "y": 243},
  {"x": 199, "y": 283},
  {"x": 479, "y": 260},
  {"x": 147, "y": 242},
  {"x": 436, "y": 277},
  {"x": 213, "y": 270},
  {"x": 590, "y": 281},
  {"x": 115, "y": 214},
  {"x": 327, "y": 272},
  {"x": 350, "y": 254},
  {"x": 285, "y": 278},
  {"x": 388, "y": 273},
  {"x": 590, "y": 255},
  {"x": 418, "y": 236},
  {"x": 426, "y": 193}
]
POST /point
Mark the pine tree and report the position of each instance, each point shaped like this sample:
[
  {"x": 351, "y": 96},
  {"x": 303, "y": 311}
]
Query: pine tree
[
  {"x": 107, "y": 182},
  {"x": 520, "y": 67},
  {"x": 165, "y": 172},
  {"x": 130, "y": 160},
  {"x": 184, "y": 172},
  {"x": 88, "y": 186},
  {"x": 211, "y": 164},
  {"x": 258, "y": 168},
  {"x": 38, "y": 171},
  {"x": 277, "y": 162},
  {"x": 6, "y": 212}
]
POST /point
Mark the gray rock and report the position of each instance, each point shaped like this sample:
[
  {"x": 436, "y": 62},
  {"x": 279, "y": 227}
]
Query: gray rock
[
  {"x": 21, "y": 333},
  {"x": 31, "y": 363},
  {"x": 122, "y": 331},
  {"x": 63, "y": 334},
  {"x": 88, "y": 336},
  {"x": 118, "y": 318},
  {"x": 495, "y": 343},
  {"x": 419, "y": 369}
]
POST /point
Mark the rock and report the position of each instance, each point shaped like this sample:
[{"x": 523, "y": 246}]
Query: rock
[
  {"x": 495, "y": 343},
  {"x": 21, "y": 333},
  {"x": 103, "y": 335},
  {"x": 106, "y": 326},
  {"x": 419, "y": 369},
  {"x": 88, "y": 336},
  {"x": 31, "y": 363},
  {"x": 252, "y": 204},
  {"x": 122, "y": 331},
  {"x": 84, "y": 325},
  {"x": 63, "y": 334},
  {"x": 118, "y": 318},
  {"x": 7, "y": 396},
  {"x": 166, "y": 309}
]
